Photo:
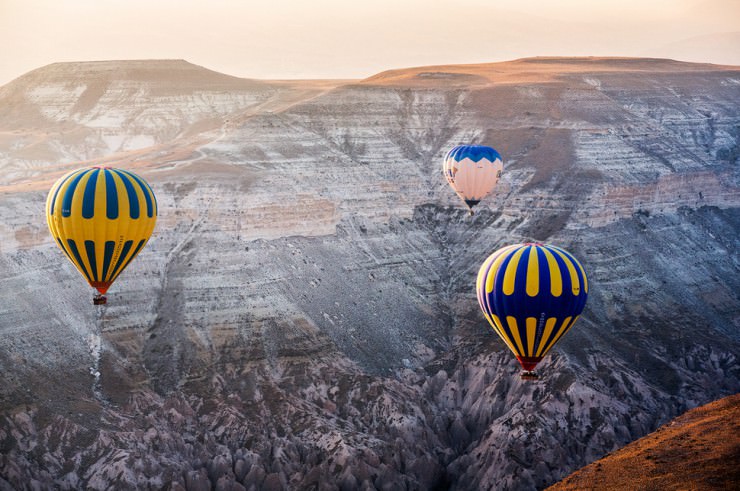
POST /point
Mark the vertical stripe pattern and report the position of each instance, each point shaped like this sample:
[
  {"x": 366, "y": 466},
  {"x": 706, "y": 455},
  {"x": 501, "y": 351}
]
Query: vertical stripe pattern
[
  {"x": 101, "y": 218},
  {"x": 531, "y": 294},
  {"x": 472, "y": 171}
]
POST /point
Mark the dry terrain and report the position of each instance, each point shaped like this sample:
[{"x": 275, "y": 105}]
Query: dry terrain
[{"x": 698, "y": 450}]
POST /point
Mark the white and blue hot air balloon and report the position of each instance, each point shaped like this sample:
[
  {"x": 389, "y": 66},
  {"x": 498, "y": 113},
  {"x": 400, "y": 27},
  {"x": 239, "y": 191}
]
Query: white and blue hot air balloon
[{"x": 472, "y": 171}]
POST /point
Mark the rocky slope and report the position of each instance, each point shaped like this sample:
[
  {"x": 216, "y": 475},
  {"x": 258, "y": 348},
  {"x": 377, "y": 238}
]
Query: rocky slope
[
  {"x": 698, "y": 450},
  {"x": 305, "y": 315},
  {"x": 71, "y": 112}
]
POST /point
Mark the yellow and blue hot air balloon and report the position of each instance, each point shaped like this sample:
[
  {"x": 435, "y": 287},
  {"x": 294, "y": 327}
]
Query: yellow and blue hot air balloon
[
  {"x": 101, "y": 218},
  {"x": 473, "y": 172},
  {"x": 531, "y": 294}
]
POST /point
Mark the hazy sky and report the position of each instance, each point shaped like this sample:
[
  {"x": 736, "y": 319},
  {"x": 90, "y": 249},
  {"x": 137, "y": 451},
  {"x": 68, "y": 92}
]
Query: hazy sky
[{"x": 355, "y": 39}]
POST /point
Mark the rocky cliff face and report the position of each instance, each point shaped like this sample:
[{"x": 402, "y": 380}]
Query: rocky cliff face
[{"x": 305, "y": 315}]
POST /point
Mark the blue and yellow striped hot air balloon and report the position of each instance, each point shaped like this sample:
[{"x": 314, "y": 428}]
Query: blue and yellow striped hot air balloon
[
  {"x": 101, "y": 218},
  {"x": 472, "y": 171},
  {"x": 532, "y": 294}
]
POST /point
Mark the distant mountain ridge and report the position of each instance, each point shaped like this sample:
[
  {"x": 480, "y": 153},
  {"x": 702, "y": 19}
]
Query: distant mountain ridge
[
  {"x": 87, "y": 110},
  {"x": 545, "y": 67}
]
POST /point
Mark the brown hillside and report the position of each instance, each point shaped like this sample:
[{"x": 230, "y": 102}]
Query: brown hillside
[
  {"x": 699, "y": 450},
  {"x": 531, "y": 70}
]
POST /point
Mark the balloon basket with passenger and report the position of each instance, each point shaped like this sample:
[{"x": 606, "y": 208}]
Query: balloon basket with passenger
[
  {"x": 529, "y": 375},
  {"x": 471, "y": 204},
  {"x": 528, "y": 364},
  {"x": 102, "y": 288}
]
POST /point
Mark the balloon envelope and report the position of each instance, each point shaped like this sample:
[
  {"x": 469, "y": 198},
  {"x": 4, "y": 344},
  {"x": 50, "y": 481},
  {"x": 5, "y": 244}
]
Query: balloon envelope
[
  {"x": 472, "y": 171},
  {"x": 101, "y": 218},
  {"x": 531, "y": 294}
]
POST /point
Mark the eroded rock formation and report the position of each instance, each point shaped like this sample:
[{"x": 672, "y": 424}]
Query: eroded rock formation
[{"x": 305, "y": 317}]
